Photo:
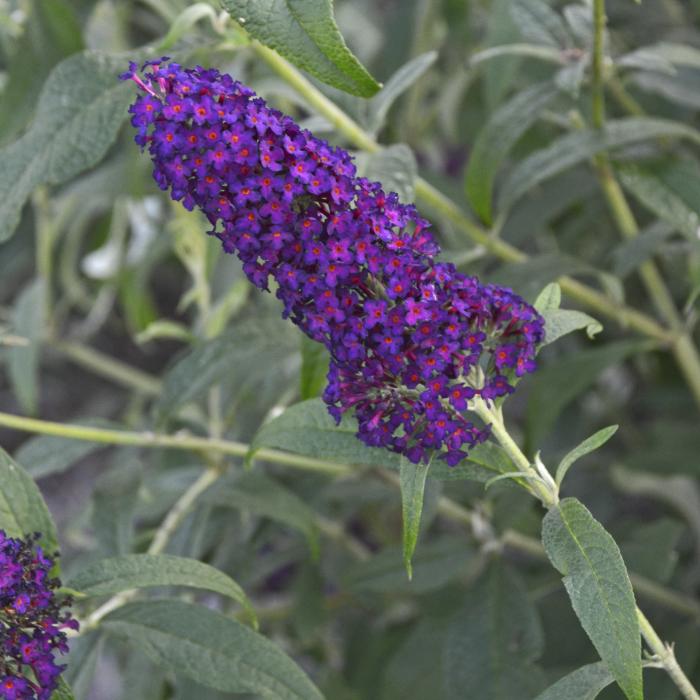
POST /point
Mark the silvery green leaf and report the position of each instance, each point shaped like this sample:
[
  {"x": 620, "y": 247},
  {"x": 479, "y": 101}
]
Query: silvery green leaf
[
  {"x": 598, "y": 585},
  {"x": 305, "y": 33},
  {"x": 210, "y": 648},
  {"x": 588, "y": 445}
]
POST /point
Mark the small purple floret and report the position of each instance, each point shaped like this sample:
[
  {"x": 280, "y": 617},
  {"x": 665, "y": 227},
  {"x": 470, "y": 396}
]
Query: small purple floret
[{"x": 411, "y": 340}]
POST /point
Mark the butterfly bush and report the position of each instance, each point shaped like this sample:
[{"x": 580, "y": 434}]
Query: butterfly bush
[
  {"x": 411, "y": 339},
  {"x": 31, "y": 622}
]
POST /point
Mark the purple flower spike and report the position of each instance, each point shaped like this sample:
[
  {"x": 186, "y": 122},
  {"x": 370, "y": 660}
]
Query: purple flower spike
[
  {"x": 31, "y": 621},
  {"x": 411, "y": 340}
]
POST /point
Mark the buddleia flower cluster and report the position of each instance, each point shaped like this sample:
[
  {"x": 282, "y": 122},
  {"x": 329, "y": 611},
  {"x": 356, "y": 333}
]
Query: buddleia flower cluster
[
  {"x": 32, "y": 625},
  {"x": 411, "y": 339}
]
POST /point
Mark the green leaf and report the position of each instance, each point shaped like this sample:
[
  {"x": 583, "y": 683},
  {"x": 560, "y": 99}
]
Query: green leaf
[
  {"x": 651, "y": 549},
  {"x": 210, "y": 648},
  {"x": 544, "y": 53},
  {"x": 307, "y": 428},
  {"x": 117, "y": 574},
  {"x": 114, "y": 502},
  {"x": 483, "y": 462},
  {"x": 43, "y": 455},
  {"x": 681, "y": 493},
  {"x": 51, "y": 33},
  {"x": 499, "y": 74},
  {"x": 493, "y": 641},
  {"x": 580, "y": 146},
  {"x": 529, "y": 276},
  {"x": 601, "y": 594},
  {"x": 584, "y": 683},
  {"x": 681, "y": 88},
  {"x": 82, "y": 663},
  {"x": 555, "y": 385},
  {"x": 306, "y": 34},
  {"x": 415, "y": 669},
  {"x": 651, "y": 192},
  {"x": 246, "y": 352},
  {"x": 404, "y": 78},
  {"x": 495, "y": 140},
  {"x": 22, "y": 507},
  {"x": 570, "y": 78},
  {"x": 434, "y": 565},
  {"x": 23, "y": 360},
  {"x": 163, "y": 328},
  {"x": 81, "y": 107},
  {"x": 561, "y": 322},
  {"x": 227, "y": 306},
  {"x": 310, "y": 613},
  {"x": 628, "y": 256},
  {"x": 580, "y": 21},
  {"x": 259, "y": 494},
  {"x": 185, "y": 21},
  {"x": 549, "y": 299},
  {"x": 678, "y": 54},
  {"x": 63, "y": 691},
  {"x": 395, "y": 167},
  {"x": 512, "y": 476},
  {"x": 314, "y": 368},
  {"x": 539, "y": 23},
  {"x": 412, "y": 478},
  {"x": 588, "y": 445}
]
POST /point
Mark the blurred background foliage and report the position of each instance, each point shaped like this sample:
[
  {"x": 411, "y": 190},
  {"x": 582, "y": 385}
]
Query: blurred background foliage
[{"x": 115, "y": 310}]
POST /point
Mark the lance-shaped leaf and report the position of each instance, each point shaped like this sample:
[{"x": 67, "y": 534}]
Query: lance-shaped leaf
[
  {"x": 493, "y": 641},
  {"x": 599, "y": 587},
  {"x": 314, "y": 368},
  {"x": 495, "y": 140},
  {"x": 22, "y": 508},
  {"x": 23, "y": 360},
  {"x": 412, "y": 478},
  {"x": 117, "y": 574},
  {"x": 306, "y": 34},
  {"x": 259, "y": 494},
  {"x": 211, "y": 649},
  {"x": 307, "y": 428},
  {"x": 654, "y": 194},
  {"x": 80, "y": 110},
  {"x": 539, "y": 23},
  {"x": 584, "y": 683},
  {"x": 63, "y": 691},
  {"x": 588, "y": 445},
  {"x": 404, "y": 78},
  {"x": 549, "y": 298},
  {"x": 580, "y": 146}
]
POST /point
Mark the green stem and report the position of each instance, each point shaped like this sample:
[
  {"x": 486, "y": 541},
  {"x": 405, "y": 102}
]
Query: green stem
[
  {"x": 446, "y": 208},
  {"x": 665, "y": 655},
  {"x": 175, "y": 442},
  {"x": 539, "y": 485},
  {"x": 598, "y": 65}
]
